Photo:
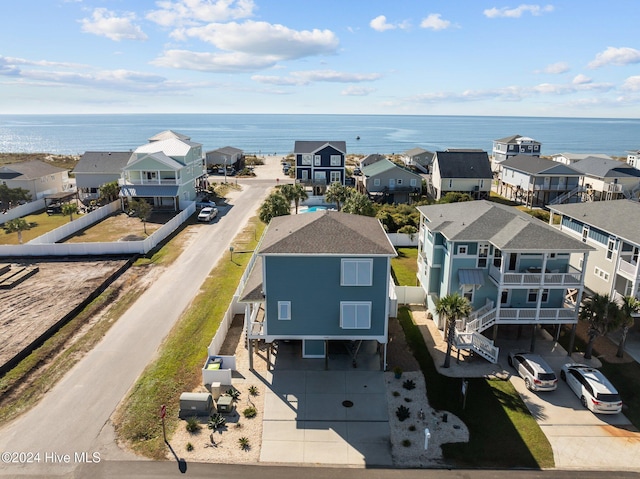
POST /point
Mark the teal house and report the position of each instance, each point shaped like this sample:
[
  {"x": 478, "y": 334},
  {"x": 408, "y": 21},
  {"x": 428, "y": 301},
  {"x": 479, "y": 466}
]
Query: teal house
[
  {"x": 514, "y": 269},
  {"x": 317, "y": 278}
]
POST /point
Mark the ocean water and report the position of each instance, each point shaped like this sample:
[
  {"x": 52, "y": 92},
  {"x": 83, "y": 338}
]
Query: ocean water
[{"x": 269, "y": 134}]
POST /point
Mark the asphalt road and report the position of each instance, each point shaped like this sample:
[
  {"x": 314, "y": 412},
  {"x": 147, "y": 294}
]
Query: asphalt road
[{"x": 74, "y": 417}]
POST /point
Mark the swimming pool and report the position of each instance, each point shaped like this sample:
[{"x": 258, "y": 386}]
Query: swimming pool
[{"x": 311, "y": 209}]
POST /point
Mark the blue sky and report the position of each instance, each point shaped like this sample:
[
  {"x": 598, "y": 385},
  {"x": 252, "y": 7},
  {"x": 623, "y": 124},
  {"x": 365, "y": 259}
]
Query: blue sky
[{"x": 577, "y": 58}]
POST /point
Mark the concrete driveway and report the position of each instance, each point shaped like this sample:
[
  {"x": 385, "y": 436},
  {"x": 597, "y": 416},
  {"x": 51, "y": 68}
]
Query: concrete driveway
[{"x": 580, "y": 439}]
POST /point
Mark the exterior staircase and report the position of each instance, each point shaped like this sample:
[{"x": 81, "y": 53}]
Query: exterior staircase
[
  {"x": 469, "y": 333},
  {"x": 565, "y": 196}
]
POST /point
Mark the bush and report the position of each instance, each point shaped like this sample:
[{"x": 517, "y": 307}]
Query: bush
[
  {"x": 250, "y": 412},
  {"x": 192, "y": 424},
  {"x": 253, "y": 391},
  {"x": 409, "y": 384},
  {"x": 189, "y": 446},
  {"x": 403, "y": 413},
  {"x": 234, "y": 393},
  {"x": 412, "y": 427},
  {"x": 244, "y": 443},
  {"x": 216, "y": 421},
  {"x": 406, "y": 442},
  {"x": 395, "y": 394}
]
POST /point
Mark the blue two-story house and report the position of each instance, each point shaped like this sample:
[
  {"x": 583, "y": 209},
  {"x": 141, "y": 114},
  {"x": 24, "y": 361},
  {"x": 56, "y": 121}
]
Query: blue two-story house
[
  {"x": 319, "y": 277},
  {"x": 514, "y": 269},
  {"x": 320, "y": 163}
]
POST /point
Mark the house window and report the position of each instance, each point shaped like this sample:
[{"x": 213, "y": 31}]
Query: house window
[
  {"x": 532, "y": 296},
  {"x": 284, "y": 310},
  {"x": 467, "y": 291},
  {"x": 317, "y": 160},
  {"x": 483, "y": 253},
  {"x": 357, "y": 272},
  {"x": 585, "y": 233},
  {"x": 355, "y": 314},
  {"x": 610, "y": 248},
  {"x": 600, "y": 273},
  {"x": 376, "y": 182},
  {"x": 462, "y": 249},
  {"x": 336, "y": 160},
  {"x": 413, "y": 182},
  {"x": 306, "y": 160},
  {"x": 399, "y": 181},
  {"x": 335, "y": 176},
  {"x": 497, "y": 258},
  {"x": 450, "y": 183}
]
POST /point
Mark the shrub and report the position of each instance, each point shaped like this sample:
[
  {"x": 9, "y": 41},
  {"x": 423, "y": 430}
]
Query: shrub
[
  {"x": 409, "y": 384},
  {"x": 395, "y": 394},
  {"x": 250, "y": 412},
  {"x": 403, "y": 413},
  {"x": 234, "y": 393},
  {"x": 253, "y": 391},
  {"x": 192, "y": 424},
  {"x": 406, "y": 442},
  {"x": 189, "y": 446},
  {"x": 408, "y": 399},
  {"x": 412, "y": 427},
  {"x": 244, "y": 443},
  {"x": 216, "y": 421}
]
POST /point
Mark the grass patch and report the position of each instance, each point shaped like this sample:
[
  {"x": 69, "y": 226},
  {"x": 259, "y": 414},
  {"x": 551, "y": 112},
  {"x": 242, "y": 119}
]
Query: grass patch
[
  {"x": 502, "y": 431},
  {"x": 177, "y": 369},
  {"x": 496, "y": 198},
  {"x": 405, "y": 266},
  {"x": 43, "y": 223}
]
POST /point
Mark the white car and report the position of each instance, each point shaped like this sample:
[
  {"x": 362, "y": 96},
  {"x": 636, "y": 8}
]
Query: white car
[
  {"x": 537, "y": 374},
  {"x": 595, "y": 391},
  {"x": 207, "y": 214}
]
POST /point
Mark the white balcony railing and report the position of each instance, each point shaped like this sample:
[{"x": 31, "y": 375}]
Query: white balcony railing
[
  {"x": 153, "y": 182},
  {"x": 532, "y": 315},
  {"x": 535, "y": 278},
  {"x": 629, "y": 269}
]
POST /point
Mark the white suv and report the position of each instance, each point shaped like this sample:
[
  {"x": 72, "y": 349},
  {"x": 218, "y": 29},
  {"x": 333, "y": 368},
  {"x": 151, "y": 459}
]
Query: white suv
[
  {"x": 595, "y": 391},
  {"x": 537, "y": 374}
]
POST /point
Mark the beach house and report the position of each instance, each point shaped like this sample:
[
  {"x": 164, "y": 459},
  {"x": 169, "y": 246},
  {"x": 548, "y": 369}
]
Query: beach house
[
  {"x": 513, "y": 269},
  {"x": 419, "y": 158},
  {"x": 96, "y": 168},
  {"x": 513, "y": 145},
  {"x": 606, "y": 179},
  {"x": 633, "y": 158},
  {"x": 462, "y": 171},
  {"x": 611, "y": 228},
  {"x": 164, "y": 171},
  {"x": 318, "y": 279},
  {"x": 226, "y": 157},
  {"x": 387, "y": 182},
  {"x": 38, "y": 178},
  {"x": 320, "y": 163}
]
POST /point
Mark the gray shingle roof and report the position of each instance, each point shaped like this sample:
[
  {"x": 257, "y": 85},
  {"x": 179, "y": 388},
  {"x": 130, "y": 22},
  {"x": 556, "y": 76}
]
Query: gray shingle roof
[
  {"x": 28, "y": 170},
  {"x": 604, "y": 168},
  {"x": 102, "y": 162},
  {"x": 515, "y": 138},
  {"x": 313, "y": 146},
  {"x": 226, "y": 150},
  {"x": 326, "y": 232},
  {"x": 538, "y": 166},
  {"x": 617, "y": 217},
  {"x": 463, "y": 164},
  {"x": 505, "y": 227},
  {"x": 387, "y": 165}
]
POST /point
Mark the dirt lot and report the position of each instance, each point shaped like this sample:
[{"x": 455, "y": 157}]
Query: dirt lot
[{"x": 33, "y": 306}]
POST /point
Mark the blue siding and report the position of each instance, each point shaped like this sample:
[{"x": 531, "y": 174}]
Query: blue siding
[
  {"x": 312, "y": 284},
  {"x": 572, "y": 224}
]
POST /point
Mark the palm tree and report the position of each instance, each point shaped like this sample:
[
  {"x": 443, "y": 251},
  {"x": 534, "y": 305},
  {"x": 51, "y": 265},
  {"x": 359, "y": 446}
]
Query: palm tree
[
  {"x": 295, "y": 193},
  {"x": 629, "y": 307},
  {"x": 358, "y": 204},
  {"x": 274, "y": 205},
  {"x": 337, "y": 193},
  {"x": 17, "y": 225},
  {"x": 110, "y": 191},
  {"x": 452, "y": 307},
  {"x": 69, "y": 209},
  {"x": 143, "y": 211},
  {"x": 603, "y": 316}
]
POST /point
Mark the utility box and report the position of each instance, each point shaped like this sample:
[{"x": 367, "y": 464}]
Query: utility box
[
  {"x": 196, "y": 404},
  {"x": 215, "y": 390}
]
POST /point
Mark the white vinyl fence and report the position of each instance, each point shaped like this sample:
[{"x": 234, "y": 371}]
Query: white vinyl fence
[
  {"x": 403, "y": 240},
  {"x": 22, "y": 210}
]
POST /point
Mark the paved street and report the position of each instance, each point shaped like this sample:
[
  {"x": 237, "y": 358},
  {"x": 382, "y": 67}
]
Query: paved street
[{"x": 75, "y": 415}]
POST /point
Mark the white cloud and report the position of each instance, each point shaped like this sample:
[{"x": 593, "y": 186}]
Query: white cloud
[
  {"x": 435, "y": 22},
  {"x": 194, "y": 12},
  {"x": 248, "y": 46},
  {"x": 380, "y": 24},
  {"x": 517, "y": 12},
  {"x": 107, "y": 24},
  {"x": 632, "y": 83},
  {"x": 616, "y": 56},
  {"x": 312, "y": 76},
  {"x": 354, "y": 90},
  {"x": 557, "y": 68},
  {"x": 581, "y": 79}
]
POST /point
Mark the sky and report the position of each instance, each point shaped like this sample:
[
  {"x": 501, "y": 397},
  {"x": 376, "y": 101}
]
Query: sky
[{"x": 566, "y": 58}]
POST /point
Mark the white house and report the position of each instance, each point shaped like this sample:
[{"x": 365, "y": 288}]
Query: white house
[{"x": 463, "y": 171}]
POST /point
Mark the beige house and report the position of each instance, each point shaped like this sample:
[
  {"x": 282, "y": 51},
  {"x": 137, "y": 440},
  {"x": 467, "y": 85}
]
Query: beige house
[
  {"x": 37, "y": 177},
  {"x": 604, "y": 179},
  {"x": 462, "y": 171}
]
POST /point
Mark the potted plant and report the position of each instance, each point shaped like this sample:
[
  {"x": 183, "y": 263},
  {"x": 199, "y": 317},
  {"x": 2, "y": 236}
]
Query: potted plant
[{"x": 397, "y": 371}]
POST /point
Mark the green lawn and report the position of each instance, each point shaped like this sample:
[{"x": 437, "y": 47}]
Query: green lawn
[
  {"x": 404, "y": 267},
  {"x": 502, "y": 431},
  {"x": 178, "y": 367},
  {"x": 42, "y": 223}
]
